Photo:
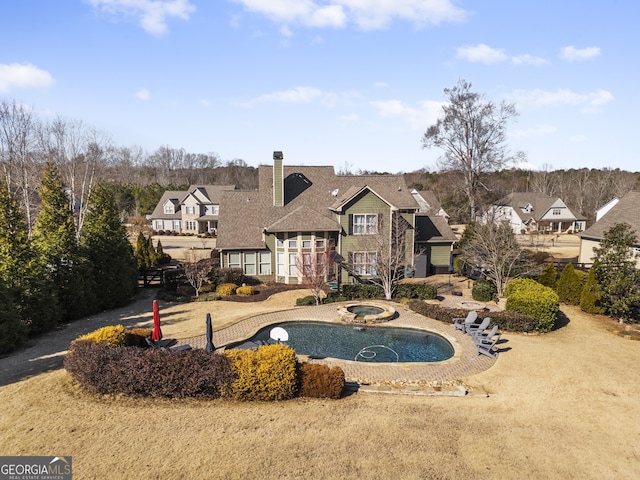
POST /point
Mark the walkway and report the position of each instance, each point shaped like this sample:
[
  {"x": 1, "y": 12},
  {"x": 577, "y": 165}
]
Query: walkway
[{"x": 466, "y": 361}]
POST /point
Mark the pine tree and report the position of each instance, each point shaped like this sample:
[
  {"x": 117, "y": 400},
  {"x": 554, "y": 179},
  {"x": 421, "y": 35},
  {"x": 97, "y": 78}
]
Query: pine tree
[
  {"x": 12, "y": 331},
  {"x": 570, "y": 285},
  {"x": 590, "y": 297},
  {"x": 54, "y": 240},
  {"x": 20, "y": 269},
  {"x": 105, "y": 243}
]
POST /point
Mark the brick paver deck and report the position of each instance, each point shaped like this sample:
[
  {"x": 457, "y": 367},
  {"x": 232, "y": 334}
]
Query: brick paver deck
[{"x": 464, "y": 363}]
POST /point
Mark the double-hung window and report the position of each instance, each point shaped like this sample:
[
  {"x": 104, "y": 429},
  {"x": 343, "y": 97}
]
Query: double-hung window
[
  {"x": 364, "y": 263},
  {"x": 365, "y": 224}
]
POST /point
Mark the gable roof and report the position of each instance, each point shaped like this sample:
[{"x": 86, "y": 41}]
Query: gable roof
[
  {"x": 244, "y": 216},
  {"x": 625, "y": 211},
  {"x": 538, "y": 203},
  {"x": 173, "y": 196},
  {"x": 432, "y": 229}
]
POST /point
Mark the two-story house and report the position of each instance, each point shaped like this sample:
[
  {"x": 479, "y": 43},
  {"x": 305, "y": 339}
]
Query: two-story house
[
  {"x": 189, "y": 211},
  {"x": 533, "y": 211},
  {"x": 298, "y": 211}
]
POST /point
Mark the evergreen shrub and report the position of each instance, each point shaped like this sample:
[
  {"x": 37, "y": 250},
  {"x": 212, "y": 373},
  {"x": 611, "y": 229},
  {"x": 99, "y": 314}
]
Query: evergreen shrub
[
  {"x": 591, "y": 295},
  {"x": 422, "y": 291},
  {"x": 549, "y": 276},
  {"x": 226, "y": 289},
  {"x": 112, "y": 336},
  {"x": 268, "y": 373},
  {"x": 570, "y": 285},
  {"x": 362, "y": 290},
  {"x": 532, "y": 298},
  {"x": 320, "y": 381},
  {"x": 484, "y": 291},
  {"x": 245, "y": 290},
  {"x": 305, "y": 301}
]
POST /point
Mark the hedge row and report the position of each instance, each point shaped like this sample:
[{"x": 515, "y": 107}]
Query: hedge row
[
  {"x": 269, "y": 373},
  {"x": 509, "y": 321},
  {"x": 403, "y": 290}
]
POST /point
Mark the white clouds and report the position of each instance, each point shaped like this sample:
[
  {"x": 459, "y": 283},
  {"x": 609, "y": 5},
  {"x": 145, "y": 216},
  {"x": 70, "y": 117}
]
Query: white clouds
[
  {"x": 540, "y": 98},
  {"x": 482, "y": 53},
  {"x": 143, "y": 94},
  {"x": 23, "y": 75},
  {"x": 304, "y": 95},
  {"x": 151, "y": 14},
  {"x": 417, "y": 118},
  {"x": 366, "y": 14},
  {"x": 573, "y": 54}
]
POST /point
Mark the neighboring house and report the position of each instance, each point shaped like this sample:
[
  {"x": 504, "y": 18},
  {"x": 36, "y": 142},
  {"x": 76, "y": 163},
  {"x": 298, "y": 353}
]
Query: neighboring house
[
  {"x": 530, "y": 211},
  {"x": 298, "y": 211},
  {"x": 428, "y": 204},
  {"x": 625, "y": 210},
  {"x": 189, "y": 211}
]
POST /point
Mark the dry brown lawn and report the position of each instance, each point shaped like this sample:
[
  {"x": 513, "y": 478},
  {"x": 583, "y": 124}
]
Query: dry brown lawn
[{"x": 561, "y": 405}]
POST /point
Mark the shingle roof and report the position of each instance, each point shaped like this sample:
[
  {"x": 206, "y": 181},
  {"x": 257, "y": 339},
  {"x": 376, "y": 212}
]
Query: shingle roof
[
  {"x": 540, "y": 203},
  {"x": 245, "y": 215},
  {"x": 175, "y": 196},
  {"x": 432, "y": 229},
  {"x": 625, "y": 211}
]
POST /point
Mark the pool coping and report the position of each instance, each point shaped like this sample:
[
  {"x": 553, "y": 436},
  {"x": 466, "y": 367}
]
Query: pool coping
[{"x": 448, "y": 373}]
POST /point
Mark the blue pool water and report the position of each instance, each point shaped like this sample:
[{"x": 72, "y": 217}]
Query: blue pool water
[{"x": 362, "y": 344}]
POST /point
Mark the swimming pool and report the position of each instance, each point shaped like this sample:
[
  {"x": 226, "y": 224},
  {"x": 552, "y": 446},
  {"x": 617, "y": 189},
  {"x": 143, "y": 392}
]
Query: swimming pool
[{"x": 360, "y": 343}]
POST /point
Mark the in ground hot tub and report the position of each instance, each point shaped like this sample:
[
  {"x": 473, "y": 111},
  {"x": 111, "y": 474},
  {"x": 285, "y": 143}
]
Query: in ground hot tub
[{"x": 366, "y": 312}]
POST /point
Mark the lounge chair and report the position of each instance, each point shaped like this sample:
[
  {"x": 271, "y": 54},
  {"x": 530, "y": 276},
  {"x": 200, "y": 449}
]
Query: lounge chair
[
  {"x": 485, "y": 347},
  {"x": 486, "y": 335},
  {"x": 463, "y": 323},
  {"x": 478, "y": 327}
]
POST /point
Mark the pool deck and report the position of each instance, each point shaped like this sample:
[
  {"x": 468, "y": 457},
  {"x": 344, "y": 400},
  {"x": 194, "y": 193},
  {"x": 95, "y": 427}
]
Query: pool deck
[{"x": 464, "y": 363}]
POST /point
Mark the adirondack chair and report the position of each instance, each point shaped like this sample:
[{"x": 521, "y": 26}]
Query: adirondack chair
[
  {"x": 478, "y": 327},
  {"x": 463, "y": 323},
  {"x": 480, "y": 336},
  {"x": 485, "y": 347}
]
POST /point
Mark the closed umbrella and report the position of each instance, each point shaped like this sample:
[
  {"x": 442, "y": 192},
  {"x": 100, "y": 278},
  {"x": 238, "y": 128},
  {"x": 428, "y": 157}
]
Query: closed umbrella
[
  {"x": 156, "y": 336},
  {"x": 209, "y": 348}
]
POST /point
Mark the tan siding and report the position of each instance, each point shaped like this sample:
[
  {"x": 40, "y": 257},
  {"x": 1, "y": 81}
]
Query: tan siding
[{"x": 440, "y": 255}]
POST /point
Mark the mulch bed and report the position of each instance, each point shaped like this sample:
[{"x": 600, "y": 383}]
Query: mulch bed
[{"x": 262, "y": 293}]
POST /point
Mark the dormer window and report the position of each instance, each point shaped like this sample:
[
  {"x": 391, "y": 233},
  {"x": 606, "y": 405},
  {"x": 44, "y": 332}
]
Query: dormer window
[
  {"x": 556, "y": 211},
  {"x": 168, "y": 209}
]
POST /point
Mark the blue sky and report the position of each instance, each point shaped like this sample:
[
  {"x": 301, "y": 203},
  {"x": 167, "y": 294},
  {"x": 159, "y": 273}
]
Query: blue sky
[{"x": 351, "y": 83}]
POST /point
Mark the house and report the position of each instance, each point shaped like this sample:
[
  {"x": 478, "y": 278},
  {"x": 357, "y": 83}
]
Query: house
[
  {"x": 533, "y": 211},
  {"x": 625, "y": 210},
  {"x": 299, "y": 211},
  {"x": 195, "y": 210}
]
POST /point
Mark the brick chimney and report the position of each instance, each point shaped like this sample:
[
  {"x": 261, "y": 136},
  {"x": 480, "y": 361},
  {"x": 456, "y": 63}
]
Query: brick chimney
[{"x": 278, "y": 180}]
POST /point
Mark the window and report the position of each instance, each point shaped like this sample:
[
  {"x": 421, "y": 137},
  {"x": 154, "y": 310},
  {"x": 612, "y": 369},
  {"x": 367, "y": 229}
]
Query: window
[
  {"x": 190, "y": 225},
  {"x": 556, "y": 211},
  {"x": 365, "y": 224},
  {"x": 265, "y": 263},
  {"x": 176, "y": 224},
  {"x": 293, "y": 269},
  {"x": 158, "y": 225},
  {"x": 215, "y": 209},
  {"x": 363, "y": 263},
  {"x": 250, "y": 263},
  {"x": 168, "y": 209},
  {"x": 319, "y": 244},
  {"x": 279, "y": 242},
  {"x": 306, "y": 243},
  {"x": 293, "y": 244},
  {"x": 234, "y": 260},
  {"x": 280, "y": 264}
]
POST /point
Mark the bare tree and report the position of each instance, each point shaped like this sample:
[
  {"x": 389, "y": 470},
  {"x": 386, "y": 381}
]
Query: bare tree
[
  {"x": 472, "y": 134},
  {"x": 196, "y": 269},
  {"x": 315, "y": 269},
  {"x": 383, "y": 256},
  {"x": 494, "y": 249},
  {"x": 18, "y": 128}
]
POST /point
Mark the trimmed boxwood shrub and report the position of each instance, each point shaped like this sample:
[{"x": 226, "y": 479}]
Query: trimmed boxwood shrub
[
  {"x": 532, "y": 298},
  {"x": 422, "y": 291},
  {"x": 362, "y": 290},
  {"x": 268, "y": 373},
  {"x": 304, "y": 301},
  {"x": 484, "y": 291},
  {"x": 320, "y": 381},
  {"x": 245, "y": 290},
  {"x": 509, "y": 321},
  {"x": 148, "y": 372}
]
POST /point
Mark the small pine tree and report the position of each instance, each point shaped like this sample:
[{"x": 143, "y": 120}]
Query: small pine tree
[
  {"x": 570, "y": 285},
  {"x": 13, "y": 332},
  {"x": 549, "y": 276},
  {"x": 105, "y": 242},
  {"x": 591, "y": 295}
]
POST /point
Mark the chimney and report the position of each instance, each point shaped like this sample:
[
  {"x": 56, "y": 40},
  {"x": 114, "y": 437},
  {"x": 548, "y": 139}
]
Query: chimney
[{"x": 278, "y": 180}]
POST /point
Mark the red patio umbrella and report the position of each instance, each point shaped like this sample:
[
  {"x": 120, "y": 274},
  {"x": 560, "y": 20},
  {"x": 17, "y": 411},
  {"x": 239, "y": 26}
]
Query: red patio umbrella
[{"x": 157, "y": 332}]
